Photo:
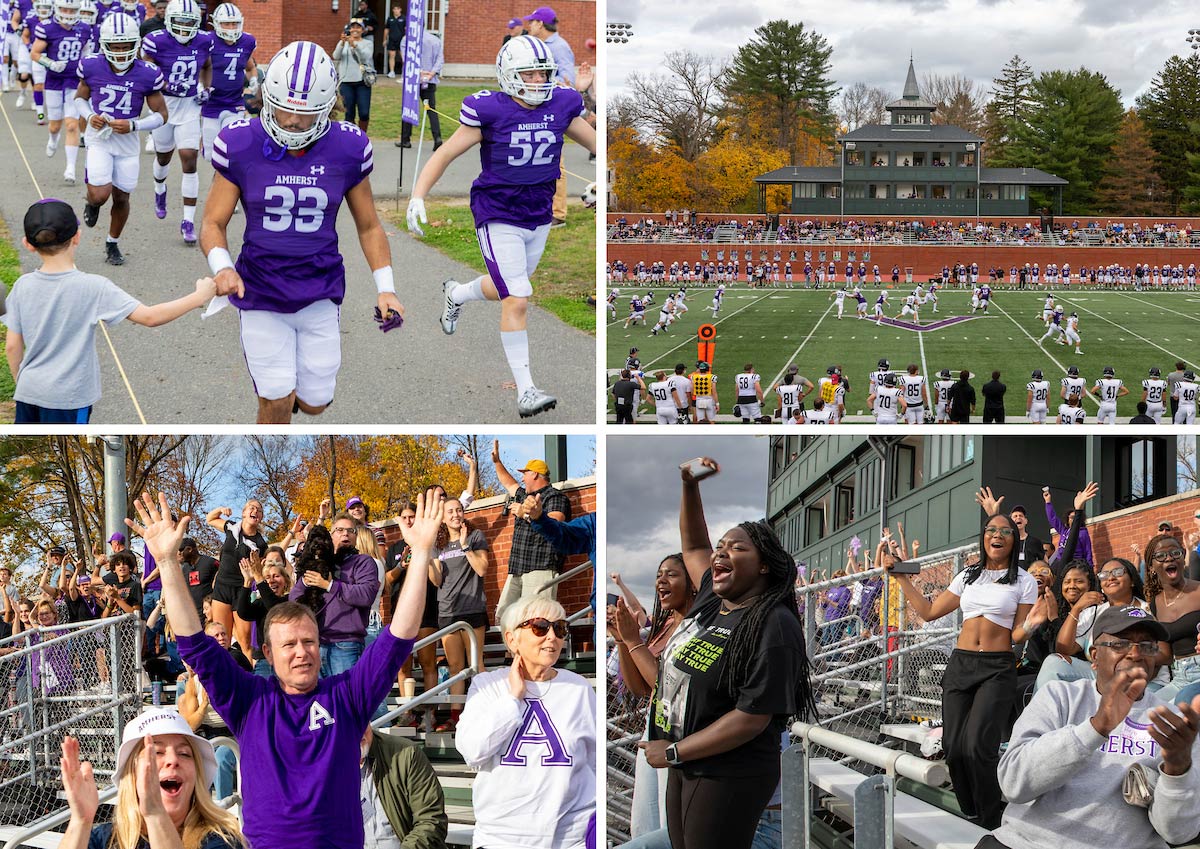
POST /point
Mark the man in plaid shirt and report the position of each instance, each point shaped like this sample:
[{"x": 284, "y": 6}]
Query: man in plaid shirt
[{"x": 532, "y": 560}]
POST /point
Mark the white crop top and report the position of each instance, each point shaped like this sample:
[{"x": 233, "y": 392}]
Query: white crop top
[{"x": 994, "y": 602}]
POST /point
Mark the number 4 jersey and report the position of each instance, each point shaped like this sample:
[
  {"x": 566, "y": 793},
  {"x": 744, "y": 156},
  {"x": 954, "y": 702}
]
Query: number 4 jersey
[
  {"x": 520, "y": 155},
  {"x": 289, "y": 257}
]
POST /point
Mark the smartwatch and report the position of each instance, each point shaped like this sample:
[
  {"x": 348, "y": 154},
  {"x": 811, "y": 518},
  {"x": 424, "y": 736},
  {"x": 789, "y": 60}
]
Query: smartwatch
[{"x": 673, "y": 756}]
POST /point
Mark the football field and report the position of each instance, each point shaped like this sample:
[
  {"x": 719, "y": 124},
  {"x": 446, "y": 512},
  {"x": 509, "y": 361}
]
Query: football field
[{"x": 773, "y": 328}]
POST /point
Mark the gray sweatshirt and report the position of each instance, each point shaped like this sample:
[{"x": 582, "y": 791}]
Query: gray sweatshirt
[{"x": 1063, "y": 779}]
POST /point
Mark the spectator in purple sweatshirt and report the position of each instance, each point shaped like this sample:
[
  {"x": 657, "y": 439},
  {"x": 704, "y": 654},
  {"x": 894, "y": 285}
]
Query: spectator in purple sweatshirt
[
  {"x": 349, "y": 595},
  {"x": 835, "y": 604},
  {"x": 1083, "y": 549},
  {"x": 299, "y": 734}
]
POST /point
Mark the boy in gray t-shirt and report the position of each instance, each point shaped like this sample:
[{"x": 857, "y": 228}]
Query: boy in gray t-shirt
[{"x": 52, "y": 316}]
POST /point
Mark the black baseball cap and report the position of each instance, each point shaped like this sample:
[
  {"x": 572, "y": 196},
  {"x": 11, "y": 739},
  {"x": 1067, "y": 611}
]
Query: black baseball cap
[
  {"x": 1115, "y": 620},
  {"x": 49, "y": 223}
]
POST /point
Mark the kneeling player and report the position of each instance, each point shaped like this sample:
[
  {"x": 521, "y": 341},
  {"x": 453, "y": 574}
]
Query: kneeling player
[
  {"x": 1072, "y": 411},
  {"x": 112, "y": 88},
  {"x": 511, "y": 199},
  {"x": 291, "y": 168}
]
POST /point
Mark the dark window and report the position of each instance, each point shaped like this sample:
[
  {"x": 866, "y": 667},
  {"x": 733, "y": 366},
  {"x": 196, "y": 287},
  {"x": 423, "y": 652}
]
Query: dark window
[
  {"x": 1141, "y": 470},
  {"x": 904, "y": 470},
  {"x": 843, "y": 504},
  {"x": 814, "y": 525}
]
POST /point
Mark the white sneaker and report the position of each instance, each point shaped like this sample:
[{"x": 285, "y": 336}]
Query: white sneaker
[
  {"x": 51, "y": 147},
  {"x": 20, "y": 99},
  {"x": 69, "y": 178},
  {"x": 534, "y": 401},
  {"x": 451, "y": 311},
  {"x": 391, "y": 75},
  {"x": 149, "y": 143}
]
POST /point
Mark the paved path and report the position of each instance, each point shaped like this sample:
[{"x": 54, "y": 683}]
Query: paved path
[{"x": 192, "y": 372}]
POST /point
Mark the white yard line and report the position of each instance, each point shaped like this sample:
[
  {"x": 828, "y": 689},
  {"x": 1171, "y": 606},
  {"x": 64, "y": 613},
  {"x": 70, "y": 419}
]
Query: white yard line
[
  {"x": 1135, "y": 335},
  {"x": 796, "y": 353},
  {"x": 1047, "y": 353},
  {"x": 1159, "y": 306},
  {"x": 692, "y": 337}
]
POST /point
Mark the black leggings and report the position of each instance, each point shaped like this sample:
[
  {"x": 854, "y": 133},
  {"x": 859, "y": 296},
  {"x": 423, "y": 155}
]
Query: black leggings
[
  {"x": 978, "y": 691},
  {"x": 716, "y": 813}
]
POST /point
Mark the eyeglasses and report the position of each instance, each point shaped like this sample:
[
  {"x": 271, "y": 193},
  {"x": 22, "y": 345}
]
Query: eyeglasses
[
  {"x": 1115, "y": 572},
  {"x": 348, "y": 530},
  {"x": 1146, "y": 647},
  {"x": 540, "y": 626},
  {"x": 1164, "y": 556},
  {"x": 1004, "y": 532}
]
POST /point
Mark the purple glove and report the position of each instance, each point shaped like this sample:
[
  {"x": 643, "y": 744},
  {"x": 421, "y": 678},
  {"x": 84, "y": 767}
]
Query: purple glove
[{"x": 393, "y": 320}]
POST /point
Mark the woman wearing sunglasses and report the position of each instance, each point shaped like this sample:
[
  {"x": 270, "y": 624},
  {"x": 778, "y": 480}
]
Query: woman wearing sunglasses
[
  {"x": 530, "y": 732},
  {"x": 979, "y": 686},
  {"x": 731, "y": 676},
  {"x": 1175, "y": 602}
]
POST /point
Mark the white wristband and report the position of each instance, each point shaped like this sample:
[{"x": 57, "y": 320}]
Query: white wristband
[
  {"x": 218, "y": 260},
  {"x": 383, "y": 280}
]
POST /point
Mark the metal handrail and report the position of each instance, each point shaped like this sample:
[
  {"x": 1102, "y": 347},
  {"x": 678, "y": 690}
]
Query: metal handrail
[
  {"x": 43, "y": 825},
  {"x": 565, "y": 576},
  {"x": 464, "y": 674},
  {"x": 931, "y": 773}
]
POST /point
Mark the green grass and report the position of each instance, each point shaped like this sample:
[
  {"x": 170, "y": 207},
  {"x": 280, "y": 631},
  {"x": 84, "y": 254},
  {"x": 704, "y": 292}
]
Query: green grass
[
  {"x": 10, "y": 270},
  {"x": 386, "y": 98},
  {"x": 565, "y": 276},
  {"x": 774, "y": 327}
]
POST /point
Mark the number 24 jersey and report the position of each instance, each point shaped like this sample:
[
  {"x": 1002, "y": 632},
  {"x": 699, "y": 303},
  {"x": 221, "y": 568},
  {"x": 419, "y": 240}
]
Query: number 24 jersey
[{"x": 520, "y": 155}]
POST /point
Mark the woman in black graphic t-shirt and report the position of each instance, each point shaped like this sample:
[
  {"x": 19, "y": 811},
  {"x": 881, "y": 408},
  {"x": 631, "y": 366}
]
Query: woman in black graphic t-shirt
[{"x": 732, "y": 674}]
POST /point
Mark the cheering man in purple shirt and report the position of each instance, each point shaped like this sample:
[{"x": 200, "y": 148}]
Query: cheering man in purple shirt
[
  {"x": 1083, "y": 548},
  {"x": 520, "y": 132},
  {"x": 292, "y": 167},
  {"x": 299, "y": 734}
]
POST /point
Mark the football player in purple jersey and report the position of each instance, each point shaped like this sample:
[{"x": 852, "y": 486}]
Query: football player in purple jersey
[
  {"x": 43, "y": 11},
  {"x": 15, "y": 50},
  {"x": 184, "y": 55},
  {"x": 232, "y": 66},
  {"x": 520, "y": 132},
  {"x": 58, "y": 46},
  {"x": 112, "y": 89},
  {"x": 291, "y": 168}
]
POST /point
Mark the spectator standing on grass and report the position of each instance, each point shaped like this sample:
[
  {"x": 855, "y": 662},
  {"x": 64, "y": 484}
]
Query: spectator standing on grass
[
  {"x": 432, "y": 61},
  {"x": 351, "y": 56},
  {"x": 993, "y": 400},
  {"x": 1172, "y": 379},
  {"x": 395, "y": 25},
  {"x": 543, "y": 25},
  {"x": 961, "y": 399}
]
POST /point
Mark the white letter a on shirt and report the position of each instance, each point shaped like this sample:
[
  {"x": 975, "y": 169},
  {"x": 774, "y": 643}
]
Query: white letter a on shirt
[{"x": 318, "y": 717}]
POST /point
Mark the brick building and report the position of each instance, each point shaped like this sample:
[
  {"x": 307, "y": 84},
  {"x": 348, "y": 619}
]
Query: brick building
[
  {"x": 472, "y": 30},
  {"x": 487, "y": 515}
]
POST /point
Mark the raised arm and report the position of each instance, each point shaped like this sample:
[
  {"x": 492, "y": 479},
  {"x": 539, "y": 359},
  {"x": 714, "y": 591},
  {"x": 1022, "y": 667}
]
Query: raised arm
[
  {"x": 406, "y": 620},
  {"x": 507, "y": 481},
  {"x": 162, "y": 536},
  {"x": 693, "y": 529}
]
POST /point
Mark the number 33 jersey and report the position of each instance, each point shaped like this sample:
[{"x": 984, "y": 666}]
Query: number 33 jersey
[
  {"x": 289, "y": 257},
  {"x": 520, "y": 155}
]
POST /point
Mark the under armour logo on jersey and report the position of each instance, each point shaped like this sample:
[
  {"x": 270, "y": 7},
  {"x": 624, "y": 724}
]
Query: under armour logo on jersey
[
  {"x": 317, "y": 169},
  {"x": 548, "y": 118},
  {"x": 319, "y": 717},
  {"x": 537, "y": 729}
]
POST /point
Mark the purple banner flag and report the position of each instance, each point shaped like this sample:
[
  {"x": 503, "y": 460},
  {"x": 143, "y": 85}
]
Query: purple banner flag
[{"x": 410, "y": 110}]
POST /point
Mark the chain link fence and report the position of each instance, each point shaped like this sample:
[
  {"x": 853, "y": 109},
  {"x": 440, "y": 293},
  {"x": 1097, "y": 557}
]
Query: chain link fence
[
  {"x": 878, "y": 664},
  {"x": 80, "y": 679}
]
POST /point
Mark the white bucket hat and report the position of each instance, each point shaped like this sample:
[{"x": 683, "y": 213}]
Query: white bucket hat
[{"x": 158, "y": 721}]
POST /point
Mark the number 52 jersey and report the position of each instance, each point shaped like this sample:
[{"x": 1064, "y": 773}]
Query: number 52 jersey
[
  {"x": 290, "y": 257},
  {"x": 520, "y": 155}
]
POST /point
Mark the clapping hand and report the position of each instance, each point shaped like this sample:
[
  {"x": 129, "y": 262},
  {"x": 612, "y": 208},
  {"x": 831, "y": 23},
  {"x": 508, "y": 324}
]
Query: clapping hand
[
  {"x": 79, "y": 784},
  {"x": 150, "y": 801},
  {"x": 1175, "y": 733},
  {"x": 532, "y": 507}
]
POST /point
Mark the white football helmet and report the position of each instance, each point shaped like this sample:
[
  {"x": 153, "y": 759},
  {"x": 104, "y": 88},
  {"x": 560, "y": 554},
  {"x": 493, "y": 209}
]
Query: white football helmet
[
  {"x": 87, "y": 12},
  {"x": 302, "y": 80},
  {"x": 44, "y": 9},
  {"x": 66, "y": 12},
  {"x": 227, "y": 13},
  {"x": 129, "y": 7},
  {"x": 526, "y": 53},
  {"x": 182, "y": 19},
  {"x": 119, "y": 41}
]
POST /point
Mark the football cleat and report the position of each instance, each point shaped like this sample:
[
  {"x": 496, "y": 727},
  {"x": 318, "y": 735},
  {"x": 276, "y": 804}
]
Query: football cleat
[
  {"x": 187, "y": 229},
  {"x": 450, "y": 310},
  {"x": 90, "y": 213},
  {"x": 51, "y": 147},
  {"x": 113, "y": 255},
  {"x": 160, "y": 204},
  {"x": 534, "y": 401}
]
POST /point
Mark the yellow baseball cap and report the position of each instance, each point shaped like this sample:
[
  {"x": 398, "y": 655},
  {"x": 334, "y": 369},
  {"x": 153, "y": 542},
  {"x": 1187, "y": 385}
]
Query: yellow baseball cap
[{"x": 538, "y": 467}]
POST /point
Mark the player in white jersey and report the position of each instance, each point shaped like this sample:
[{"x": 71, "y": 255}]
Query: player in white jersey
[
  {"x": 666, "y": 315},
  {"x": 1186, "y": 391},
  {"x": 748, "y": 386},
  {"x": 612, "y": 303},
  {"x": 1071, "y": 334},
  {"x": 974, "y": 299},
  {"x": 792, "y": 390},
  {"x": 879, "y": 302},
  {"x": 1072, "y": 384},
  {"x": 916, "y": 395},
  {"x": 718, "y": 296},
  {"x": 909, "y": 308},
  {"x": 875, "y": 379},
  {"x": 1054, "y": 328},
  {"x": 1108, "y": 389},
  {"x": 840, "y": 296},
  {"x": 680, "y": 306},
  {"x": 1154, "y": 393},
  {"x": 1048, "y": 309},
  {"x": 941, "y": 391},
  {"x": 1037, "y": 393},
  {"x": 821, "y": 414},
  {"x": 666, "y": 400},
  {"x": 1072, "y": 412},
  {"x": 887, "y": 401},
  {"x": 681, "y": 385}
]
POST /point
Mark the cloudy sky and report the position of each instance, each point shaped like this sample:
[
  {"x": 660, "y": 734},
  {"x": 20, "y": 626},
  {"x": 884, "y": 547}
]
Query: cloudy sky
[
  {"x": 642, "y": 499},
  {"x": 871, "y": 39}
]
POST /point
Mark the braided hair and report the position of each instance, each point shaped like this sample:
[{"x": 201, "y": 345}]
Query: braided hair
[
  {"x": 747, "y": 634},
  {"x": 1064, "y": 606},
  {"x": 1010, "y": 577},
  {"x": 1153, "y": 584},
  {"x": 659, "y": 618}
]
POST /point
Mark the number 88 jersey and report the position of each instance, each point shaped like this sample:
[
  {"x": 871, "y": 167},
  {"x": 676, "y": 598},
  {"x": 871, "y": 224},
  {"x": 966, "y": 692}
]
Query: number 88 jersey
[
  {"x": 290, "y": 257},
  {"x": 520, "y": 155}
]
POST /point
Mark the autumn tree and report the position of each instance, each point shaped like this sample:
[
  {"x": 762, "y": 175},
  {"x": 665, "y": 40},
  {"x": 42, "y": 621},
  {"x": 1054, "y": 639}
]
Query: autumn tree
[
  {"x": 1130, "y": 185},
  {"x": 645, "y": 178},
  {"x": 725, "y": 174},
  {"x": 678, "y": 109}
]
